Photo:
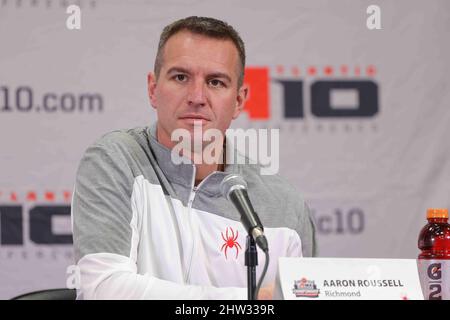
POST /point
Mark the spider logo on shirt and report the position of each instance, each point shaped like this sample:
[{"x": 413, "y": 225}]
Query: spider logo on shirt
[{"x": 230, "y": 242}]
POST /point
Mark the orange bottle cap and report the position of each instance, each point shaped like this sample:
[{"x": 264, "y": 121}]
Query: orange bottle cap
[{"x": 437, "y": 213}]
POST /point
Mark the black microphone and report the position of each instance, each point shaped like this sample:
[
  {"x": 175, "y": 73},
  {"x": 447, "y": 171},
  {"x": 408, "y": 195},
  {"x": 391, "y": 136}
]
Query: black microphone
[{"x": 234, "y": 188}]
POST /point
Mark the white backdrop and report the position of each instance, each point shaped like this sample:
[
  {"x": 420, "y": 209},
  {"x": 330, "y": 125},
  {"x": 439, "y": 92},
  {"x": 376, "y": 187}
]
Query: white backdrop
[{"x": 368, "y": 178}]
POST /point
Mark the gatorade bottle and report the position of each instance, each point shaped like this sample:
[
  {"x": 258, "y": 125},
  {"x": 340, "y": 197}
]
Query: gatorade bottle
[{"x": 434, "y": 260}]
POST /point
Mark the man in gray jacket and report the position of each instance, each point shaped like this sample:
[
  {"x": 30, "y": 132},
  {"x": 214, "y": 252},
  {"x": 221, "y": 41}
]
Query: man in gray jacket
[{"x": 145, "y": 227}]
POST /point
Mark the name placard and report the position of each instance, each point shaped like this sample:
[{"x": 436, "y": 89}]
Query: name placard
[{"x": 347, "y": 279}]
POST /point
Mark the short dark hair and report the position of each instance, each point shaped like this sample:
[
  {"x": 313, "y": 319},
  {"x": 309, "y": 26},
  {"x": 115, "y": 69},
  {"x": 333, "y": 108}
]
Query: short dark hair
[{"x": 208, "y": 27}]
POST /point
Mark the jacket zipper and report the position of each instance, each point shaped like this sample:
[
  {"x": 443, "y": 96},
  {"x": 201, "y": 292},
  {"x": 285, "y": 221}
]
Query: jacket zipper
[
  {"x": 190, "y": 201},
  {"x": 194, "y": 234}
]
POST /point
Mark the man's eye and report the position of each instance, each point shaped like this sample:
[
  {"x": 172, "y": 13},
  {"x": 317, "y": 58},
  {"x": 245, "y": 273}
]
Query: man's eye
[
  {"x": 180, "y": 77},
  {"x": 216, "y": 83}
]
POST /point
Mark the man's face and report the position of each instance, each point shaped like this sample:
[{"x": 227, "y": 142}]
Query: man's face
[{"x": 198, "y": 81}]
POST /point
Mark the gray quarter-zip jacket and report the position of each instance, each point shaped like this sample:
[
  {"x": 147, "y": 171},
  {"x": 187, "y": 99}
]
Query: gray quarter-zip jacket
[{"x": 142, "y": 230}]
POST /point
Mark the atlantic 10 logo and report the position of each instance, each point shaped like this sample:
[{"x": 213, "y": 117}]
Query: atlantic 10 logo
[
  {"x": 356, "y": 80},
  {"x": 40, "y": 225},
  {"x": 22, "y": 223}
]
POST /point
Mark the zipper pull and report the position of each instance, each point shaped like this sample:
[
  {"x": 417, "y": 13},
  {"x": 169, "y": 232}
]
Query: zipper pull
[{"x": 191, "y": 197}]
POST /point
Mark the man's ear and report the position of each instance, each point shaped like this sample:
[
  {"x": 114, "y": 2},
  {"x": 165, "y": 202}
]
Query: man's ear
[
  {"x": 151, "y": 86},
  {"x": 241, "y": 98}
]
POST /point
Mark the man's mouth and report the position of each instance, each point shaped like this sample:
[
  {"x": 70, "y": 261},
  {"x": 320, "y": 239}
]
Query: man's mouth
[{"x": 194, "y": 117}]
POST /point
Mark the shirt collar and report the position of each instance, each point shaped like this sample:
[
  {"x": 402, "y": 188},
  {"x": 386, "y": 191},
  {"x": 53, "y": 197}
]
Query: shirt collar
[{"x": 184, "y": 173}]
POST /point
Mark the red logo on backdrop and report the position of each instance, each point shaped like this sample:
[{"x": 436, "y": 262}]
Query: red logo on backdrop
[
  {"x": 230, "y": 241},
  {"x": 333, "y": 79},
  {"x": 257, "y": 105}
]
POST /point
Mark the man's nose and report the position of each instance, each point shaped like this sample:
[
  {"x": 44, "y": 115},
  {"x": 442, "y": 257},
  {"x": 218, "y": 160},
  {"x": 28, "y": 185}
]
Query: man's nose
[{"x": 197, "y": 94}]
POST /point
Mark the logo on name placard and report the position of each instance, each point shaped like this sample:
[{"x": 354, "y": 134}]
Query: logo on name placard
[{"x": 305, "y": 288}]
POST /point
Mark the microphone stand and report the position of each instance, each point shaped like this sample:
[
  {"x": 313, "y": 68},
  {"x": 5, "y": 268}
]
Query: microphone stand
[{"x": 251, "y": 261}]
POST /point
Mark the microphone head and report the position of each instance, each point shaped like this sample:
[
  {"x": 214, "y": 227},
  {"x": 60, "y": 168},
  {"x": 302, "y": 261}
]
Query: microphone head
[{"x": 232, "y": 182}]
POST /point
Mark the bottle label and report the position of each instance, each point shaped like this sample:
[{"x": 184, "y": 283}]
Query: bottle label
[{"x": 434, "y": 279}]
